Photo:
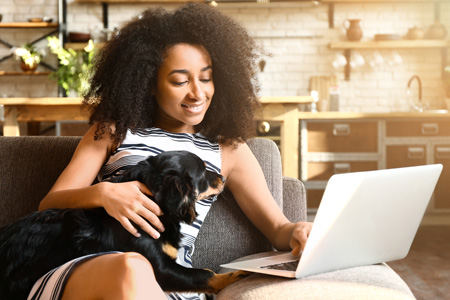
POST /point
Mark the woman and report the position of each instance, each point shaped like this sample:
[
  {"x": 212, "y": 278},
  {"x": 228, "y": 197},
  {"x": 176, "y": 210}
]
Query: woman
[{"x": 181, "y": 80}]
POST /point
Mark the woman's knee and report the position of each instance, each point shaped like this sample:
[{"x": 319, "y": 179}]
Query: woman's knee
[
  {"x": 133, "y": 264},
  {"x": 138, "y": 279},
  {"x": 112, "y": 276}
]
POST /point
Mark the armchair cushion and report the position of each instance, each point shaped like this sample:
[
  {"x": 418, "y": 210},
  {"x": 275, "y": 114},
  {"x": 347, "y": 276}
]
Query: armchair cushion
[
  {"x": 30, "y": 166},
  {"x": 367, "y": 282}
]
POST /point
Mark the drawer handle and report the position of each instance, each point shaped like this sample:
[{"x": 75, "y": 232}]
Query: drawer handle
[
  {"x": 430, "y": 128},
  {"x": 416, "y": 153},
  {"x": 443, "y": 152},
  {"x": 341, "y": 129},
  {"x": 341, "y": 168}
]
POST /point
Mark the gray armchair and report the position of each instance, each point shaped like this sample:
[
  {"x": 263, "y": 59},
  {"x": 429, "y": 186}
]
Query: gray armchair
[{"x": 30, "y": 166}]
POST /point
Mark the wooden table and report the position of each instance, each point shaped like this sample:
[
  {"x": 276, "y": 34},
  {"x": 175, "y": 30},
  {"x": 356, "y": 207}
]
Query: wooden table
[
  {"x": 38, "y": 109},
  {"x": 282, "y": 109}
]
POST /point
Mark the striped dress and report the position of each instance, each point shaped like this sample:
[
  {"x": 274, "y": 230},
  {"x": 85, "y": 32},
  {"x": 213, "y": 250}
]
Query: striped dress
[{"x": 134, "y": 148}]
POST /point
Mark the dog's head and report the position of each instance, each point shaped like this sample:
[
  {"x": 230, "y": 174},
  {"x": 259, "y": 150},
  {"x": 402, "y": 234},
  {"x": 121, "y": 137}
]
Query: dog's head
[{"x": 177, "y": 180}]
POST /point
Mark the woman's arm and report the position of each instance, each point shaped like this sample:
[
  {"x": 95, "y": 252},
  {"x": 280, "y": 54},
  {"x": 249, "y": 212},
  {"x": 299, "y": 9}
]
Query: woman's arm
[
  {"x": 73, "y": 187},
  {"x": 246, "y": 181},
  {"x": 123, "y": 201}
]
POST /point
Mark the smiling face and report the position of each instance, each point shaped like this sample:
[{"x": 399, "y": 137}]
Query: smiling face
[{"x": 184, "y": 89}]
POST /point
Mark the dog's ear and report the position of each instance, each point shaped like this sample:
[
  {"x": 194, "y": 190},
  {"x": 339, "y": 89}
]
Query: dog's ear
[
  {"x": 144, "y": 172},
  {"x": 179, "y": 197}
]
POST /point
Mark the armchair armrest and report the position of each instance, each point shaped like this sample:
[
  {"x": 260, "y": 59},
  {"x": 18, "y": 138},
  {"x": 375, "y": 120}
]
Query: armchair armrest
[{"x": 294, "y": 199}]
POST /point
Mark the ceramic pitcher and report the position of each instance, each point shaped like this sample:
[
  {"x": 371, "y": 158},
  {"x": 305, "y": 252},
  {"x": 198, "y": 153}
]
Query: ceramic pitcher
[{"x": 354, "y": 31}]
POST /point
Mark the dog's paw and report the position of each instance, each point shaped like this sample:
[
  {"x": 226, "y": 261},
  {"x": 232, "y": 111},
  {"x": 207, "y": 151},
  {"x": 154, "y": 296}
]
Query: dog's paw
[{"x": 221, "y": 281}]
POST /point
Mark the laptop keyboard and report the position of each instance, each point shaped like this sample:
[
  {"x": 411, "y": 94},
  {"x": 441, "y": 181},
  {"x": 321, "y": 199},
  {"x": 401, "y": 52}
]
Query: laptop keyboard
[{"x": 286, "y": 266}]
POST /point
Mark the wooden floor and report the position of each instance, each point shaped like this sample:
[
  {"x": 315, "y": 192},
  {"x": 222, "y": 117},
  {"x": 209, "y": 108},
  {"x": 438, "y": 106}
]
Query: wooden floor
[{"x": 426, "y": 269}]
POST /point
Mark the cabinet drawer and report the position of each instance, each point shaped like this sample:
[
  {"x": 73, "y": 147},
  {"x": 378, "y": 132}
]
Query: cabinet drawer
[
  {"x": 405, "y": 156},
  {"x": 417, "y": 128},
  {"x": 442, "y": 191},
  {"x": 324, "y": 170},
  {"x": 342, "y": 136},
  {"x": 314, "y": 197}
]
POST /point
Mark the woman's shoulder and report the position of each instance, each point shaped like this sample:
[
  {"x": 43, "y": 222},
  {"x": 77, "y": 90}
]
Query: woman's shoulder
[
  {"x": 234, "y": 154},
  {"x": 92, "y": 139}
]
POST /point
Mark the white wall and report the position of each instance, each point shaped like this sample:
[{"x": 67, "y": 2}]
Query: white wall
[{"x": 297, "y": 35}]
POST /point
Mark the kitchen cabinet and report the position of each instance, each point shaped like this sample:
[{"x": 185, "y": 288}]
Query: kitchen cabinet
[
  {"x": 352, "y": 142},
  {"x": 347, "y": 136},
  {"x": 320, "y": 171},
  {"x": 418, "y": 142},
  {"x": 399, "y": 156},
  {"x": 333, "y": 147},
  {"x": 417, "y": 128},
  {"x": 441, "y": 194}
]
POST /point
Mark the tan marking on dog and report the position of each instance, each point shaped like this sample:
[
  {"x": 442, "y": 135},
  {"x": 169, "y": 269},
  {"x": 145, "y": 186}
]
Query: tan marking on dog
[
  {"x": 209, "y": 192},
  {"x": 221, "y": 281},
  {"x": 170, "y": 250}
]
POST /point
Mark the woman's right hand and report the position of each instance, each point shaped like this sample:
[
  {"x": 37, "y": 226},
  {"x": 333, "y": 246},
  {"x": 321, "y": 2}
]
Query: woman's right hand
[{"x": 128, "y": 201}]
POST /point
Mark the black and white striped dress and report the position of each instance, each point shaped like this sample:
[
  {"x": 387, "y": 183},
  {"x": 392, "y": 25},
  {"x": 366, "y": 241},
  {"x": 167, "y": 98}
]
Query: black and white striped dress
[{"x": 137, "y": 147}]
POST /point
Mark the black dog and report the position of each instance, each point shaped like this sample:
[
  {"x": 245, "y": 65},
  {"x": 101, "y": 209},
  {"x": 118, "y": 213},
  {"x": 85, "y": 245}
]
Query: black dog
[{"x": 44, "y": 240}]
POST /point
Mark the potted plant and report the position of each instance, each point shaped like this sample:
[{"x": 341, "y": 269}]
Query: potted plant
[
  {"x": 74, "y": 66},
  {"x": 29, "y": 57}
]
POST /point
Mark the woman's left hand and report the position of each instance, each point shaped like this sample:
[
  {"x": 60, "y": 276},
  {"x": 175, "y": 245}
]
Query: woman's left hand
[{"x": 299, "y": 237}]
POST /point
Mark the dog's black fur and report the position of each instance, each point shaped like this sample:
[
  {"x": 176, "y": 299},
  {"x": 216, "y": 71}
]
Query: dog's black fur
[{"x": 41, "y": 241}]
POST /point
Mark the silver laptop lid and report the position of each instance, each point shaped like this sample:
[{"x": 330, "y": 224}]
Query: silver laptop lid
[{"x": 367, "y": 218}]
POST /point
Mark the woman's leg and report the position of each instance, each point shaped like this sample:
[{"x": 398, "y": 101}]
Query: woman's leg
[{"x": 123, "y": 276}]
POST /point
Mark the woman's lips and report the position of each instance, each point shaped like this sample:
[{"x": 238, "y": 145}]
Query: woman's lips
[{"x": 194, "y": 108}]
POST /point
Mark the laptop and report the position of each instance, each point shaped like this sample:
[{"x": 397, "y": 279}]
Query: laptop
[{"x": 364, "y": 218}]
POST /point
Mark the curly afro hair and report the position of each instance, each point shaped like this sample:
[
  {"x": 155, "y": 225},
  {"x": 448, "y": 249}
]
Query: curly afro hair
[{"x": 125, "y": 70}]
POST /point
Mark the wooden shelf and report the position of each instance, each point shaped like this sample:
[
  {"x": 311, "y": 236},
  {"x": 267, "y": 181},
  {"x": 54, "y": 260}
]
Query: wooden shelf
[
  {"x": 400, "y": 44},
  {"x": 348, "y": 46},
  {"x": 27, "y": 73},
  {"x": 29, "y": 25},
  {"x": 81, "y": 46}
]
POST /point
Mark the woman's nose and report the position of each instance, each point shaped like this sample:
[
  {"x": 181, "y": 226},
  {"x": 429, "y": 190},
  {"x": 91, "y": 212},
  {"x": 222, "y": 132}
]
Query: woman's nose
[{"x": 197, "y": 91}]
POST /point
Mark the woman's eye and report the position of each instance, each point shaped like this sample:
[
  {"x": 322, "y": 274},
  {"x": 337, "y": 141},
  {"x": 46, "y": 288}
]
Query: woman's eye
[
  {"x": 179, "y": 83},
  {"x": 206, "y": 80}
]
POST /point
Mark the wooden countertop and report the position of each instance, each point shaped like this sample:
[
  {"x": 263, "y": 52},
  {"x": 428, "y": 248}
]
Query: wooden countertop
[
  {"x": 376, "y": 116},
  {"x": 332, "y": 115}
]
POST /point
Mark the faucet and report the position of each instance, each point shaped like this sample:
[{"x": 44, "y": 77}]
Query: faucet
[{"x": 420, "y": 105}]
